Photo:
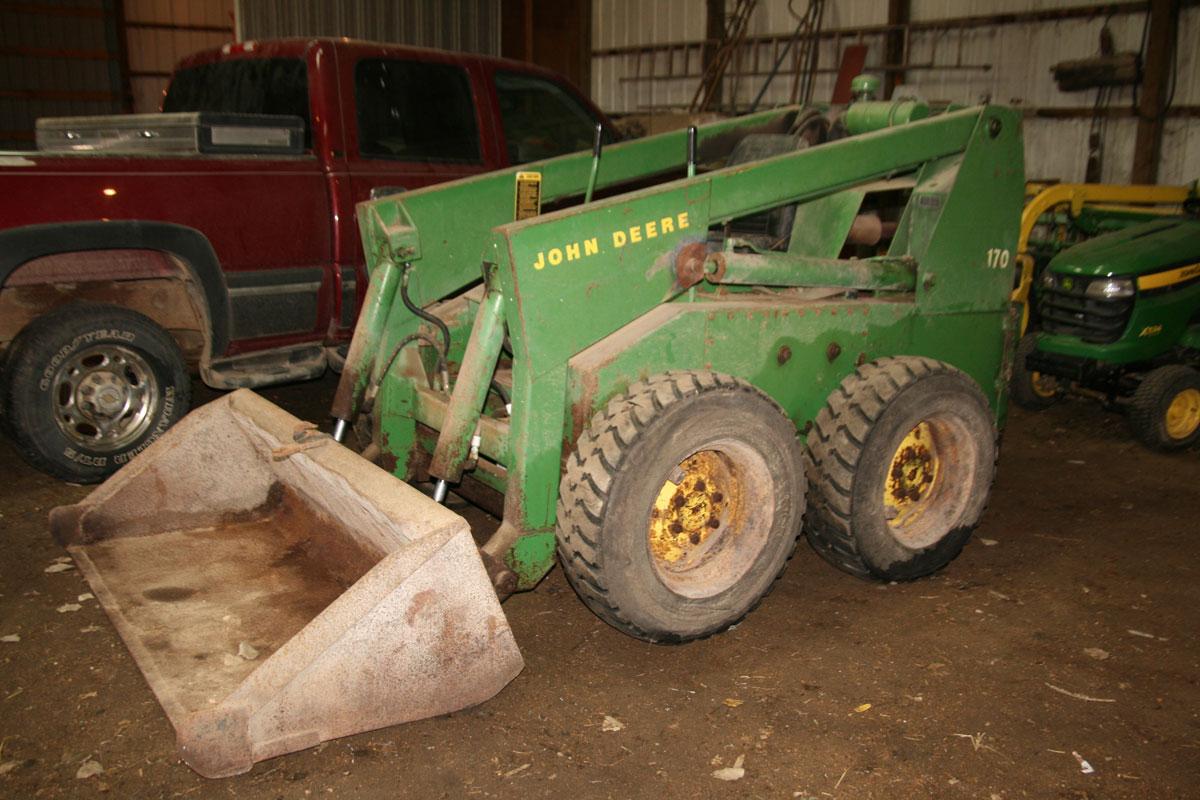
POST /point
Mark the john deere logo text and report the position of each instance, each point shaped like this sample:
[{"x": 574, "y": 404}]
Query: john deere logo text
[{"x": 575, "y": 251}]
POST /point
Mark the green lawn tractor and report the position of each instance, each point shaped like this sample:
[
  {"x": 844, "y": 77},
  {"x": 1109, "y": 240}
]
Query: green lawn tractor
[
  {"x": 1120, "y": 320},
  {"x": 663, "y": 364}
]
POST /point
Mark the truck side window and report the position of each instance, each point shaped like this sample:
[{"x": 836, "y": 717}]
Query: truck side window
[
  {"x": 415, "y": 111},
  {"x": 244, "y": 86},
  {"x": 541, "y": 119}
]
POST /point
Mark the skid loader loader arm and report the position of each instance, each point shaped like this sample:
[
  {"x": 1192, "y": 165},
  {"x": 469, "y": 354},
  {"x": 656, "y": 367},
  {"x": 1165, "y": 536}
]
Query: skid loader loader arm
[{"x": 277, "y": 590}]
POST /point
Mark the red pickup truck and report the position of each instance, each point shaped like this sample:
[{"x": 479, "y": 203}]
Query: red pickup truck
[{"x": 124, "y": 268}]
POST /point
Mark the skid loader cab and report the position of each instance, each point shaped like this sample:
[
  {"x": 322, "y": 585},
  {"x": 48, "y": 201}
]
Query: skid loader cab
[{"x": 656, "y": 394}]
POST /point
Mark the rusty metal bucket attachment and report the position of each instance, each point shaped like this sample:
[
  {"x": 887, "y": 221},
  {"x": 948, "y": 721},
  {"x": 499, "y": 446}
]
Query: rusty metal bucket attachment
[{"x": 277, "y": 590}]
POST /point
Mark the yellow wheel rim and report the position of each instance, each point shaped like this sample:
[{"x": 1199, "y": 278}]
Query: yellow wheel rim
[
  {"x": 1043, "y": 385},
  {"x": 912, "y": 477},
  {"x": 698, "y": 500},
  {"x": 1183, "y": 415}
]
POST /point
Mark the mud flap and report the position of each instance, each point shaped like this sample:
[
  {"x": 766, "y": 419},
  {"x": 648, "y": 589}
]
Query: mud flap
[{"x": 277, "y": 590}]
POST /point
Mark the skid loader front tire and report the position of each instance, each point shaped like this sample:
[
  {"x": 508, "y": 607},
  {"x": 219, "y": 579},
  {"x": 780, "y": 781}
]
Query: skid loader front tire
[
  {"x": 681, "y": 505},
  {"x": 901, "y": 461}
]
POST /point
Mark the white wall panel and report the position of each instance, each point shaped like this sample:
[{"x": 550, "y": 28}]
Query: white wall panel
[
  {"x": 159, "y": 33},
  {"x": 1020, "y": 57},
  {"x": 472, "y": 26}
]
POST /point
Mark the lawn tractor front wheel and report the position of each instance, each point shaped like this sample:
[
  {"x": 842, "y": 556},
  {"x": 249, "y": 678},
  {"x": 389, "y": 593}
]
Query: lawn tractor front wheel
[
  {"x": 681, "y": 505},
  {"x": 1029, "y": 388},
  {"x": 901, "y": 461},
  {"x": 1165, "y": 412}
]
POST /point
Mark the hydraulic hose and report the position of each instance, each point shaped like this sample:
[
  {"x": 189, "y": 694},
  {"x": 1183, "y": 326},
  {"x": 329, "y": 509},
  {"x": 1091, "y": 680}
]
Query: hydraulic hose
[
  {"x": 504, "y": 396},
  {"x": 412, "y": 337},
  {"x": 425, "y": 315}
]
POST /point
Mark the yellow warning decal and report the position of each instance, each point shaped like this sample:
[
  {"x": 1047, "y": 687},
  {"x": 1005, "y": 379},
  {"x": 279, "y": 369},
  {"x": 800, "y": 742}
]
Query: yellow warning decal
[{"x": 528, "y": 195}]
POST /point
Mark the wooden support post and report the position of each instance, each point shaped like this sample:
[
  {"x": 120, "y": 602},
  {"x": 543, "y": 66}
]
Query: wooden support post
[
  {"x": 119, "y": 38},
  {"x": 1156, "y": 78},
  {"x": 714, "y": 34},
  {"x": 899, "y": 13}
]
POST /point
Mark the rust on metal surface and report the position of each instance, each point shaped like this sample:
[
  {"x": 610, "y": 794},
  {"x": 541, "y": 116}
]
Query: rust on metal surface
[
  {"x": 343, "y": 397},
  {"x": 914, "y": 469},
  {"x": 695, "y": 501},
  {"x": 304, "y": 437},
  {"x": 715, "y": 268},
  {"x": 833, "y": 351},
  {"x": 246, "y": 587},
  {"x": 689, "y": 265},
  {"x": 503, "y": 579}
]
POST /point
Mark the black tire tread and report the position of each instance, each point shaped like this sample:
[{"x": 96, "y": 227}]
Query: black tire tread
[
  {"x": 29, "y": 338},
  {"x": 836, "y": 443},
  {"x": 597, "y": 459},
  {"x": 1145, "y": 410}
]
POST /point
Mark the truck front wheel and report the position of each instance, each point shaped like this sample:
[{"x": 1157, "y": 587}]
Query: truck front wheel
[
  {"x": 87, "y": 387},
  {"x": 1165, "y": 413},
  {"x": 681, "y": 505},
  {"x": 901, "y": 461}
]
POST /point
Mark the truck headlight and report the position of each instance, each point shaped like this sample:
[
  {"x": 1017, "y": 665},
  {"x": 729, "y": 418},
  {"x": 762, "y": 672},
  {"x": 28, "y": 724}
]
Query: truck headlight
[{"x": 1109, "y": 288}]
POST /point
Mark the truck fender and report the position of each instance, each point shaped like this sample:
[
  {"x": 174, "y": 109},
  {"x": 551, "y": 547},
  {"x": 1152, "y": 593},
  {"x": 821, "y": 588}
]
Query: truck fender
[{"x": 21, "y": 245}]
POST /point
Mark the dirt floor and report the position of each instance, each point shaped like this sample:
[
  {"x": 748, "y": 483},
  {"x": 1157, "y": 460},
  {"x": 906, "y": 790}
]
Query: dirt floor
[{"x": 1065, "y": 633}]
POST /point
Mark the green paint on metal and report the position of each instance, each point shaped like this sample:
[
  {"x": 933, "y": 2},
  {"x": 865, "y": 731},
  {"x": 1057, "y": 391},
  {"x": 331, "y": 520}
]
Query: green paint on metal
[
  {"x": 884, "y": 273},
  {"x": 471, "y": 387},
  {"x": 876, "y": 115},
  {"x": 589, "y": 300},
  {"x": 531, "y": 558},
  {"x": 820, "y": 226},
  {"x": 1160, "y": 259},
  {"x": 864, "y": 86}
]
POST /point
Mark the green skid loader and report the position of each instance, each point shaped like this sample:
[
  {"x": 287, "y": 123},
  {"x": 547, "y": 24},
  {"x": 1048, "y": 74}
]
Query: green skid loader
[{"x": 703, "y": 340}]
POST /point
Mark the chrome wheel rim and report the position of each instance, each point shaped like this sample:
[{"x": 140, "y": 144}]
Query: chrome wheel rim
[{"x": 103, "y": 397}]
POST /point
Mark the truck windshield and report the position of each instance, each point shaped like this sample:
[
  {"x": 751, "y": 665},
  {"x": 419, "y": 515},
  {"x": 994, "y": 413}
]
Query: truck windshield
[{"x": 243, "y": 86}]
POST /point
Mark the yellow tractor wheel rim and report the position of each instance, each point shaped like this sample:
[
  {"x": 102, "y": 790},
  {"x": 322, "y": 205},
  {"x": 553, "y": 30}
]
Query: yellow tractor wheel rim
[
  {"x": 1183, "y": 415},
  {"x": 1043, "y": 385},
  {"x": 699, "y": 499},
  {"x": 912, "y": 477}
]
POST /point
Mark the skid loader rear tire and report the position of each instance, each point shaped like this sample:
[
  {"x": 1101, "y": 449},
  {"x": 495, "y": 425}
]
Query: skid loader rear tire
[
  {"x": 901, "y": 461},
  {"x": 681, "y": 505}
]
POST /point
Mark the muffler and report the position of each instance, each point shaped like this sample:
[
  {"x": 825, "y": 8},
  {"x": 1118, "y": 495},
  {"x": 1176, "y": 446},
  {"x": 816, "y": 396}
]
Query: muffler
[{"x": 277, "y": 590}]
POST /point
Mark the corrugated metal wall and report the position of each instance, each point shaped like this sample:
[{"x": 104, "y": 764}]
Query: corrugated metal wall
[
  {"x": 468, "y": 25},
  {"x": 1019, "y": 55},
  {"x": 161, "y": 32},
  {"x": 64, "y": 58},
  {"x": 56, "y": 60}
]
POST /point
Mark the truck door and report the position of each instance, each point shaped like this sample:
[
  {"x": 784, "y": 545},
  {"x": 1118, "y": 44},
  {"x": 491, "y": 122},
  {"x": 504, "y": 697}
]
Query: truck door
[
  {"x": 413, "y": 121},
  {"x": 267, "y": 217}
]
